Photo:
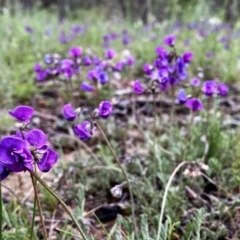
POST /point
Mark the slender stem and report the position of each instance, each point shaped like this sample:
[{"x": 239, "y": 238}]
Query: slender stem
[
  {"x": 125, "y": 175},
  {"x": 154, "y": 134},
  {"x": 1, "y": 215},
  {"x": 33, "y": 217},
  {"x": 165, "y": 197},
  {"x": 61, "y": 202},
  {"x": 39, "y": 206}
]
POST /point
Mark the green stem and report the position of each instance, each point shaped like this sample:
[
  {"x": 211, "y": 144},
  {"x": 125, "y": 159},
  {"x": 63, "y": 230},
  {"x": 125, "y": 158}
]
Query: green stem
[
  {"x": 33, "y": 217},
  {"x": 61, "y": 202},
  {"x": 165, "y": 197},
  {"x": 36, "y": 198},
  {"x": 125, "y": 175}
]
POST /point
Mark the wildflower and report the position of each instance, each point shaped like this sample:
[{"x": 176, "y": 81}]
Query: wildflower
[
  {"x": 14, "y": 154},
  {"x": 195, "y": 82},
  {"x": 45, "y": 156},
  {"x": 119, "y": 66},
  {"x": 209, "y": 88},
  {"x": 110, "y": 54},
  {"x": 28, "y": 29},
  {"x": 169, "y": 40},
  {"x": 75, "y": 52},
  {"x": 87, "y": 61},
  {"x": 48, "y": 59},
  {"x": 181, "y": 69},
  {"x": 137, "y": 87},
  {"x": 130, "y": 61},
  {"x": 182, "y": 97},
  {"x": 105, "y": 109},
  {"x": 195, "y": 104},
  {"x": 37, "y": 67},
  {"x": 22, "y": 113},
  {"x": 222, "y": 89},
  {"x": 86, "y": 87},
  {"x": 83, "y": 130},
  {"x": 4, "y": 172},
  {"x": 147, "y": 68},
  {"x": 161, "y": 52},
  {"x": 69, "y": 113},
  {"x": 102, "y": 77},
  {"x": 187, "y": 57}
]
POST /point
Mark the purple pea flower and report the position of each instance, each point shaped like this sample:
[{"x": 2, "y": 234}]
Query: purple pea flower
[
  {"x": 161, "y": 52},
  {"x": 105, "y": 109},
  {"x": 14, "y": 154},
  {"x": 86, "y": 87},
  {"x": 102, "y": 77},
  {"x": 69, "y": 113},
  {"x": 130, "y": 61},
  {"x": 83, "y": 130},
  {"x": 187, "y": 57},
  {"x": 48, "y": 159},
  {"x": 4, "y": 172},
  {"x": 195, "y": 104},
  {"x": 195, "y": 82},
  {"x": 222, "y": 89},
  {"x": 87, "y": 61},
  {"x": 37, "y": 67},
  {"x": 119, "y": 66},
  {"x": 137, "y": 87},
  {"x": 182, "y": 97},
  {"x": 75, "y": 52},
  {"x": 40, "y": 147},
  {"x": 22, "y": 113},
  {"x": 28, "y": 29},
  {"x": 169, "y": 40},
  {"x": 110, "y": 54},
  {"x": 147, "y": 68},
  {"x": 209, "y": 88}
]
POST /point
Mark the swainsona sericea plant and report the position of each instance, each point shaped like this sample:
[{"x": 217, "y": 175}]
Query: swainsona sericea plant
[
  {"x": 169, "y": 71},
  {"x": 21, "y": 151}
]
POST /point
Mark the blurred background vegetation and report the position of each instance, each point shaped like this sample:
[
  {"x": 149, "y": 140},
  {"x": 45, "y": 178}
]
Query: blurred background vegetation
[{"x": 145, "y": 10}]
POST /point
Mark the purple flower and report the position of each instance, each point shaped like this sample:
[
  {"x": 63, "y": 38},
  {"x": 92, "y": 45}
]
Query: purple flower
[
  {"x": 4, "y": 172},
  {"x": 83, "y": 130},
  {"x": 48, "y": 59},
  {"x": 222, "y": 89},
  {"x": 110, "y": 54},
  {"x": 48, "y": 159},
  {"x": 87, "y": 61},
  {"x": 75, "y": 52},
  {"x": 119, "y": 66},
  {"x": 181, "y": 68},
  {"x": 161, "y": 52},
  {"x": 209, "y": 88},
  {"x": 86, "y": 87},
  {"x": 130, "y": 61},
  {"x": 29, "y": 29},
  {"x": 105, "y": 109},
  {"x": 69, "y": 113},
  {"x": 195, "y": 82},
  {"x": 126, "y": 40},
  {"x": 195, "y": 104},
  {"x": 187, "y": 57},
  {"x": 96, "y": 60},
  {"x": 102, "y": 77},
  {"x": 169, "y": 40},
  {"x": 37, "y": 67},
  {"x": 182, "y": 97},
  {"x": 137, "y": 87},
  {"x": 42, "y": 74},
  {"x": 147, "y": 68},
  {"x": 22, "y": 113},
  {"x": 14, "y": 154}
]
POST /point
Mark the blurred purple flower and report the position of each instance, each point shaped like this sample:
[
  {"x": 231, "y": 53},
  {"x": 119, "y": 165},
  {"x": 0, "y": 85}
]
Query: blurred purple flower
[
  {"x": 137, "y": 87},
  {"x": 37, "y": 67},
  {"x": 119, "y": 66},
  {"x": 102, "y": 77},
  {"x": 181, "y": 69},
  {"x": 105, "y": 109},
  {"x": 4, "y": 172},
  {"x": 169, "y": 40},
  {"x": 209, "y": 54},
  {"x": 195, "y": 82},
  {"x": 161, "y": 52},
  {"x": 195, "y": 104},
  {"x": 182, "y": 97},
  {"x": 28, "y": 29},
  {"x": 126, "y": 40},
  {"x": 110, "y": 54},
  {"x": 209, "y": 88},
  {"x": 86, "y": 87},
  {"x": 83, "y": 130},
  {"x": 22, "y": 113},
  {"x": 48, "y": 59},
  {"x": 75, "y": 52},
  {"x": 147, "y": 68},
  {"x": 69, "y": 113},
  {"x": 130, "y": 61},
  {"x": 47, "y": 161},
  {"x": 187, "y": 57},
  {"x": 96, "y": 60},
  {"x": 87, "y": 61},
  {"x": 222, "y": 89},
  {"x": 14, "y": 154}
]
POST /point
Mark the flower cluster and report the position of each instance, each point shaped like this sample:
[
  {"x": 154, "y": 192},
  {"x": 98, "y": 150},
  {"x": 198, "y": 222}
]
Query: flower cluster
[
  {"x": 169, "y": 70},
  {"x": 21, "y": 151},
  {"x": 95, "y": 69},
  {"x": 85, "y": 129}
]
